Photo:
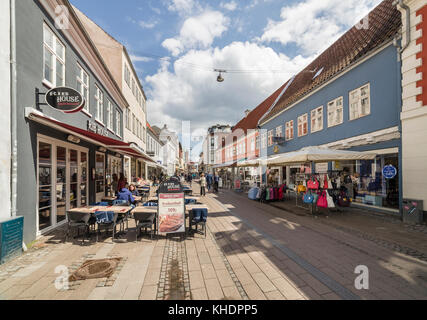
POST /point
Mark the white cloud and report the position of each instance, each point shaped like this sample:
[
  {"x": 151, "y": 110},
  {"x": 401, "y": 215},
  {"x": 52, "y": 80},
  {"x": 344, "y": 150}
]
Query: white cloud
[
  {"x": 198, "y": 32},
  {"x": 182, "y": 7},
  {"x": 314, "y": 25},
  {"x": 140, "y": 59},
  {"x": 231, "y": 6},
  {"x": 190, "y": 92},
  {"x": 147, "y": 25}
]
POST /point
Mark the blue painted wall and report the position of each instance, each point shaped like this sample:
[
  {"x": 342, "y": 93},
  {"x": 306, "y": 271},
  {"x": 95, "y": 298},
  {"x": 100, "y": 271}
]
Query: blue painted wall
[{"x": 381, "y": 72}]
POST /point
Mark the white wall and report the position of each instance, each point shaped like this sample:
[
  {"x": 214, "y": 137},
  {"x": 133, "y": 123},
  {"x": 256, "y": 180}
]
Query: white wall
[
  {"x": 5, "y": 138},
  {"x": 414, "y": 114}
]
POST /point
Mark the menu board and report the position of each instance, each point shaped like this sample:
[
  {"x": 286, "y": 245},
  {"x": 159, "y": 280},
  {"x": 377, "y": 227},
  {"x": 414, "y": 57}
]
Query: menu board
[{"x": 171, "y": 213}]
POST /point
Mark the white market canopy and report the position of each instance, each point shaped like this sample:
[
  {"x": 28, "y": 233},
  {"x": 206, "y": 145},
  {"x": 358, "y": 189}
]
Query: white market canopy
[
  {"x": 256, "y": 162},
  {"x": 319, "y": 154}
]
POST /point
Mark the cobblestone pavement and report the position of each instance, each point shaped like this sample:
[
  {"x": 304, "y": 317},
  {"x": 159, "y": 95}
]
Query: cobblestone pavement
[{"x": 251, "y": 251}]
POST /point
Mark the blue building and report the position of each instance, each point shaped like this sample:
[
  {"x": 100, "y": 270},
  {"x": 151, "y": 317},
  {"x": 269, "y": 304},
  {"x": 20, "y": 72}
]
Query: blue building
[{"x": 348, "y": 98}]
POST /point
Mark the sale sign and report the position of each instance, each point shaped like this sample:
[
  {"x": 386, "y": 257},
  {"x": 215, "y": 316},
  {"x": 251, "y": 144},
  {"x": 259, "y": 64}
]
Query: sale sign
[{"x": 171, "y": 213}]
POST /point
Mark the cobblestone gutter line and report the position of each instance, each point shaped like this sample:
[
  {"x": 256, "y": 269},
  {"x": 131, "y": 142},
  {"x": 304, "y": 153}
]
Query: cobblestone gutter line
[
  {"x": 238, "y": 284},
  {"x": 174, "y": 281}
]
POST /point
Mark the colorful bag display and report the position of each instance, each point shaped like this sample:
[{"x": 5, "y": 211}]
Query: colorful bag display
[
  {"x": 313, "y": 184},
  {"x": 325, "y": 182},
  {"x": 343, "y": 200},
  {"x": 308, "y": 198},
  {"x": 323, "y": 201},
  {"x": 301, "y": 189},
  {"x": 331, "y": 203}
]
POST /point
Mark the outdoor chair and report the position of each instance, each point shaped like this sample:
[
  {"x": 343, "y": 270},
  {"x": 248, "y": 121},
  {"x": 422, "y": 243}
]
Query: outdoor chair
[
  {"x": 77, "y": 220},
  {"x": 150, "y": 204},
  {"x": 144, "y": 220},
  {"x": 100, "y": 204},
  {"x": 122, "y": 219},
  {"x": 190, "y": 201},
  {"x": 122, "y": 203},
  {"x": 199, "y": 216},
  {"x": 106, "y": 220}
]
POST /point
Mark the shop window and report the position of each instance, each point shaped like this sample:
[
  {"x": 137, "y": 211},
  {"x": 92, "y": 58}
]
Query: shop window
[
  {"x": 360, "y": 102},
  {"x": 335, "y": 112},
  {"x": 74, "y": 172},
  {"x": 303, "y": 125},
  {"x": 83, "y": 85},
  {"x": 317, "y": 119},
  {"x": 279, "y": 131},
  {"x": 110, "y": 118},
  {"x": 83, "y": 178},
  {"x": 100, "y": 174},
  {"x": 99, "y": 99},
  {"x": 289, "y": 130},
  {"x": 45, "y": 185},
  {"x": 54, "y": 59}
]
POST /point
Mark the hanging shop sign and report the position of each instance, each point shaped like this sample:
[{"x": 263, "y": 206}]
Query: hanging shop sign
[
  {"x": 171, "y": 208},
  {"x": 322, "y": 167},
  {"x": 389, "y": 172},
  {"x": 65, "y": 99}
]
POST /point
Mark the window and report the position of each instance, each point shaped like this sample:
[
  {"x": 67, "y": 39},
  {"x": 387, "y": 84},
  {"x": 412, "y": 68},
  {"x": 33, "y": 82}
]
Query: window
[
  {"x": 133, "y": 86},
  {"x": 303, "y": 125},
  {"x": 110, "y": 119},
  {"x": 258, "y": 141},
  {"x": 263, "y": 140},
  {"x": 289, "y": 130},
  {"x": 279, "y": 131},
  {"x": 270, "y": 138},
  {"x": 83, "y": 86},
  {"x": 118, "y": 123},
  {"x": 134, "y": 124},
  {"x": 360, "y": 102},
  {"x": 127, "y": 118},
  {"x": 54, "y": 59},
  {"x": 99, "y": 99},
  {"x": 144, "y": 132},
  {"x": 252, "y": 144},
  {"x": 335, "y": 112},
  {"x": 317, "y": 119},
  {"x": 127, "y": 75}
]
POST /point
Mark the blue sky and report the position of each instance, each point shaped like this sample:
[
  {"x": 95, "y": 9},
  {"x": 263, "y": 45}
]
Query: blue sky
[{"x": 176, "y": 44}]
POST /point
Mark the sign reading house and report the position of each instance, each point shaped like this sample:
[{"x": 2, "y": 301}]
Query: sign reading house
[{"x": 65, "y": 99}]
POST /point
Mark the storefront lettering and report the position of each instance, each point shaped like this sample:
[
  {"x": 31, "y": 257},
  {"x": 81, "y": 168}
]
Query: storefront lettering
[{"x": 93, "y": 127}]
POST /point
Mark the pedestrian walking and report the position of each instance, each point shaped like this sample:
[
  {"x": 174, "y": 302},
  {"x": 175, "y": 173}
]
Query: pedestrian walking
[
  {"x": 203, "y": 183},
  {"x": 215, "y": 182}
]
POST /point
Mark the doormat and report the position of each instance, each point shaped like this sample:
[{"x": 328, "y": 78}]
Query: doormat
[{"x": 95, "y": 269}]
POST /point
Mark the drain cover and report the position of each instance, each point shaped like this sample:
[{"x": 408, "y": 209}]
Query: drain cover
[{"x": 94, "y": 269}]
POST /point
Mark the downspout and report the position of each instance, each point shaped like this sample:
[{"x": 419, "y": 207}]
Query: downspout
[
  {"x": 14, "y": 131},
  {"x": 400, "y": 51}
]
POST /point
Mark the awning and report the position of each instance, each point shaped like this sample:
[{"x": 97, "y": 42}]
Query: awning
[
  {"x": 255, "y": 162},
  {"x": 319, "y": 154},
  {"x": 225, "y": 165},
  {"x": 92, "y": 137}
]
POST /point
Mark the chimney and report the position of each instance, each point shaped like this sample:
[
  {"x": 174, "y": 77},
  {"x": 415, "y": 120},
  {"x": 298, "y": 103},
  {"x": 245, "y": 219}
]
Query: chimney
[{"x": 247, "y": 112}]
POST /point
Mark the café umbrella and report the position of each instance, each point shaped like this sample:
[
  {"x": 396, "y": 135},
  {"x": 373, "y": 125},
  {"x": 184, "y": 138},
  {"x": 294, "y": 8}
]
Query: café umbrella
[{"x": 319, "y": 154}]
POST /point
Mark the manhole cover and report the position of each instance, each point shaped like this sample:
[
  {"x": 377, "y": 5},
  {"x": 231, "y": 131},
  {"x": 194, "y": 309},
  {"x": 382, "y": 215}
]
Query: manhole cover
[{"x": 94, "y": 269}]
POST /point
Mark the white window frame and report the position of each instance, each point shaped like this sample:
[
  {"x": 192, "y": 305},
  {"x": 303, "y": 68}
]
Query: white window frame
[
  {"x": 303, "y": 119},
  {"x": 270, "y": 138},
  {"x": 127, "y": 75},
  {"x": 118, "y": 123},
  {"x": 289, "y": 129},
  {"x": 263, "y": 140},
  {"x": 55, "y": 57},
  {"x": 316, "y": 117},
  {"x": 335, "y": 112},
  {"x": 80, "y": 79},
  {"x": 356, "y": 98},
  {"x": 110, "y": 115},
  {"x": 99, "y": 99},
  {"x": 279, "y": 131}
]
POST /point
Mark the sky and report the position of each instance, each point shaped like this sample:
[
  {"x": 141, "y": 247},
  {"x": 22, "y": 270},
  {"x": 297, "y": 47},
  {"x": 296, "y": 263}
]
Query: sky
[{"x": 175, "y": 45}]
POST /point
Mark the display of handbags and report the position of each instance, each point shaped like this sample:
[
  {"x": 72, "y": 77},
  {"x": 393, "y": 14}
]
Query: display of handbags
[
  {"x": 313, "y": 184},
  {"x": 343, "y": 200},
  {"x": 323, "y": 201},
  {"x": 308, "y": 198}
]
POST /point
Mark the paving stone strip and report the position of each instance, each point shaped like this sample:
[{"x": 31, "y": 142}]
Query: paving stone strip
[
  {"x": 174, "y": 281},
  {"x": 343, "y": 292},
  {"x": 236, "y": 281}
]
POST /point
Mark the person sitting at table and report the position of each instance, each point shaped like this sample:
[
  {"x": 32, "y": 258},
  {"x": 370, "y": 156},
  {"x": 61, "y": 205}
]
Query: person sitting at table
[
  {"x": 126, "y": 195},
  {"x": 133, "y": 190}
]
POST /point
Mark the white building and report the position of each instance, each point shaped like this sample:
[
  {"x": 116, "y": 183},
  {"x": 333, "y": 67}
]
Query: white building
[
  {"x": 118, "y": 61},
  {"x": 170, "y": 149},
  {"x": 414, "y": 101},
  {"x": 5, "y": 128}
]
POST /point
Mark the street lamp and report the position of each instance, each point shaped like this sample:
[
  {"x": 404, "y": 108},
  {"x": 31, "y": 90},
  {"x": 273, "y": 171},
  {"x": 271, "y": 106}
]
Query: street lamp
[{"x": 220, "y": 78}]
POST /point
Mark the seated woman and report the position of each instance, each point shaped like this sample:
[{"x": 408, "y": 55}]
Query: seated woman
[
  {"x": 126, "y": 195},
  {"x": 133, "y": 190}
]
